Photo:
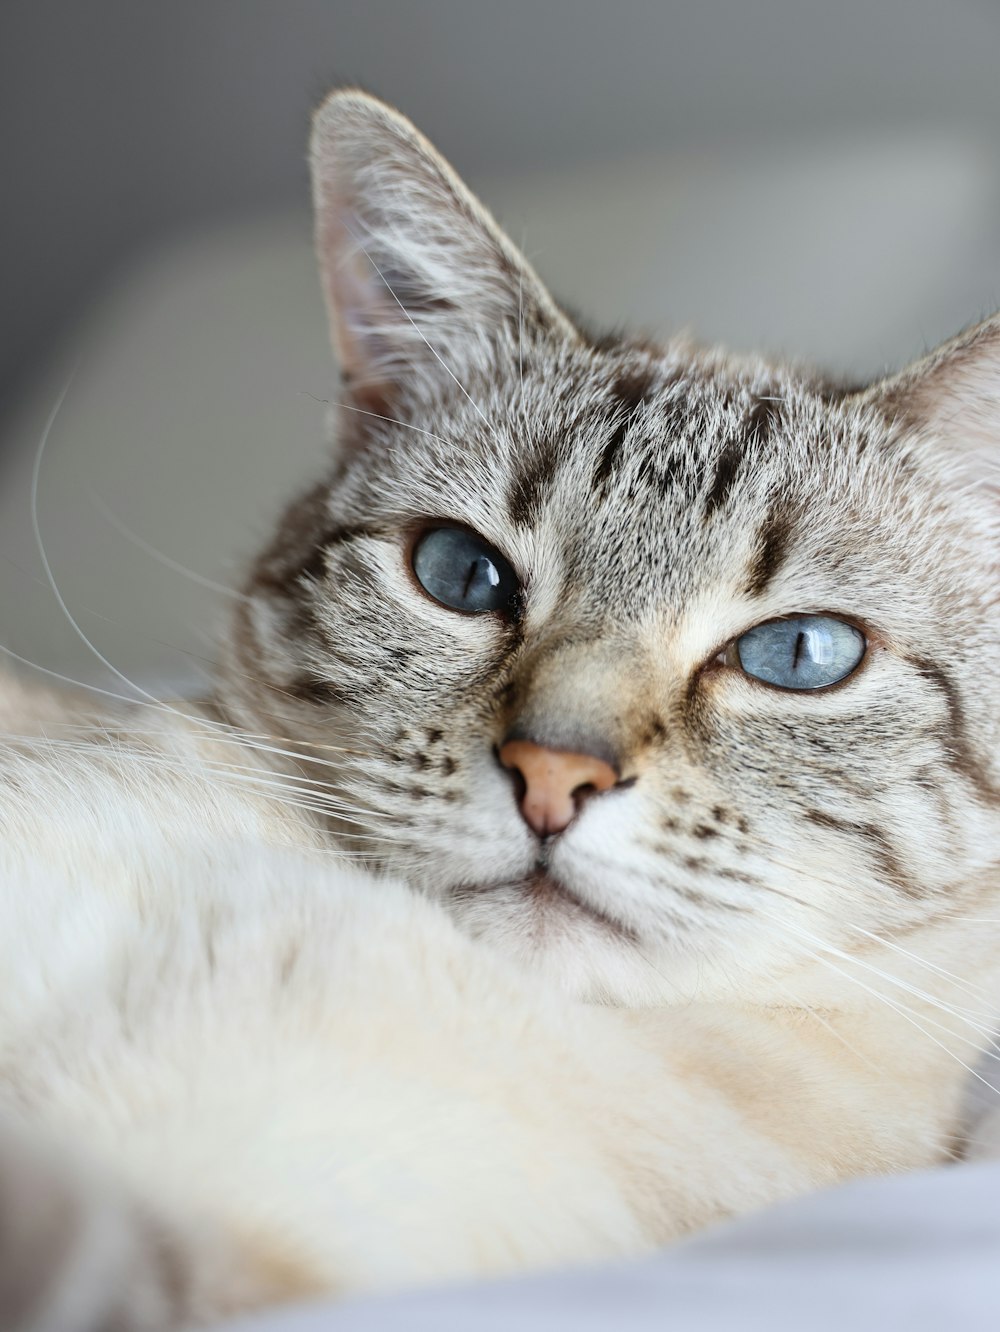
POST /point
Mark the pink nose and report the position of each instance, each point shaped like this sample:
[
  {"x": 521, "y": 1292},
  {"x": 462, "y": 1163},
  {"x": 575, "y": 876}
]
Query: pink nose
[{"x": 555, "y": 782}]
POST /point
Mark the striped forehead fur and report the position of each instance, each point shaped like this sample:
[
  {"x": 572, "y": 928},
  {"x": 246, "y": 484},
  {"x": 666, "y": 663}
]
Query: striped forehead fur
[{"x": 655, "y": 502}]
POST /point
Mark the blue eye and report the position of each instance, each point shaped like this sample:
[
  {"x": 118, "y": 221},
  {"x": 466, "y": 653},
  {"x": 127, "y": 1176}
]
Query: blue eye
[
  {"x": 806, "y": 652},
  {"x": 460, "y": 570}
]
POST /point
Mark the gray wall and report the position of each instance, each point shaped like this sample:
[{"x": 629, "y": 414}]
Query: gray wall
[
  {"x": 821, "y": 180},
  {"x": 127, "y": 120}
]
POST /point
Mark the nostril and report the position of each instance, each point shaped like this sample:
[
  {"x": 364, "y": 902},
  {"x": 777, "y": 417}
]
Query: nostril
[
  {"x": 582, "y": 793},
  {"x": 519, "y": 784},
  {"x": 517, "y": 779}
]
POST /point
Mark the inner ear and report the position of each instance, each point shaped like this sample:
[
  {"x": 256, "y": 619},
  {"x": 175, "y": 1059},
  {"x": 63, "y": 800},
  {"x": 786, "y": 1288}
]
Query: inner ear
[{"x": 419, "y": 281}]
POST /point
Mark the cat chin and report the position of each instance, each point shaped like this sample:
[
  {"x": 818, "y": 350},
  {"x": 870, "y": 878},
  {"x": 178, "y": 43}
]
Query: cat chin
[
  {"x": 542, "y": 925},
  {"x": 544, "y": 906},
  {"x": 547, "y": 895}
]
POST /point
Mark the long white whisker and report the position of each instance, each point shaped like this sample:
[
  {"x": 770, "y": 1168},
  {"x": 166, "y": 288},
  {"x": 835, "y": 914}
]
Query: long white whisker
[
  {"x": 964, "y": 1015},
  {"x": 970, "y": 988},
  {"x": 144, "y": 694},
  {"x": 40, "y": 544},
  {"x": 80, "y": 684},
  {"x": 229, "y": 734},
  {"x": 158, "y": 555},
  {"x": 225, "y": 734},
  {"x": 302, "y": 783},
  {"x": 393, "y": 420},
  {"x": 275, "y": 791},
  {"x": 906, "y": 1014}
]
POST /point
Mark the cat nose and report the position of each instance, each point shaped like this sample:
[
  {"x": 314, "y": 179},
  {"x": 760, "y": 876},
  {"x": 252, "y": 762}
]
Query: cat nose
[{"x": 556, "y": 782}]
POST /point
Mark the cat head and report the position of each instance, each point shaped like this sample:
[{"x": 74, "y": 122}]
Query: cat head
[{"x": 661, "y": 668}]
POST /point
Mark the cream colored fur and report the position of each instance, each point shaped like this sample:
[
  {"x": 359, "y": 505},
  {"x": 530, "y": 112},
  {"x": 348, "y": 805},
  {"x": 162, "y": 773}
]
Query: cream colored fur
[
  {"x": 293, "y": 1001},
  {"x": 314, "y": 1083}
]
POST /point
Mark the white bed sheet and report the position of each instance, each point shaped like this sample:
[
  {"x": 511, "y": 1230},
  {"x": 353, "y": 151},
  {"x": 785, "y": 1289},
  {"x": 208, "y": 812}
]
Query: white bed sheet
[{"x": 920, "y": 1253}]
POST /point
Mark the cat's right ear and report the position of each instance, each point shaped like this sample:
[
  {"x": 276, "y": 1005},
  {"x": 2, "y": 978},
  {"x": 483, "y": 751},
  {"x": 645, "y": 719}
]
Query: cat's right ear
[
  {"x": 949, "y": 403},
  {"x": 417, "y": 277}
]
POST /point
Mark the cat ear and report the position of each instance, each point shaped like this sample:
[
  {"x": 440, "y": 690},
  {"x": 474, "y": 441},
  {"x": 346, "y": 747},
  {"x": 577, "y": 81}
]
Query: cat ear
[
  {"x": 951, "y": 401},
  {"x": 415, "y": 273}
]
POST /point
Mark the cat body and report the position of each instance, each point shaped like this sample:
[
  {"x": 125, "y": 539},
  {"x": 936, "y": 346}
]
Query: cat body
[
  {"x": 288, "y": 1079},
  {"x": 506, "y": 918}
]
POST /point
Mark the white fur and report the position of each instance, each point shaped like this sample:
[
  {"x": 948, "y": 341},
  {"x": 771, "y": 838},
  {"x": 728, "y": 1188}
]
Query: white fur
[
  {"x": 275, "y": 1051},
  {"x": 285, "y": 1009}
]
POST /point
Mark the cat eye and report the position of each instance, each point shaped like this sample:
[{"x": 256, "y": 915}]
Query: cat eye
[
  {"x": 804, "y": 652},
  {"x": 458, "y": 569}
]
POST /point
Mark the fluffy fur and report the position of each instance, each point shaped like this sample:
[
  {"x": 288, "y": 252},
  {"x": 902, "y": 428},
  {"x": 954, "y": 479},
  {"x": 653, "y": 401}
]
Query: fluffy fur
[{"x": 295, "y": 1001}]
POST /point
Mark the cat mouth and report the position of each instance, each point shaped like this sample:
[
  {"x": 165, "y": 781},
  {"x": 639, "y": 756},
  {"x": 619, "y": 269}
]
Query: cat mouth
[
  {"x": 544, "y": 896},
  {"x": 547, "y": 892}
]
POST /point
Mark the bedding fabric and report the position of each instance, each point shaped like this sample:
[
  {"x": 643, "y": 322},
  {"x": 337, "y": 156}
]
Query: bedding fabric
[{"x": 920, "y": 1252}]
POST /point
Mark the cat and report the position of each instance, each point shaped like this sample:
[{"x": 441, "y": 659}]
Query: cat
[{"x": 595, "y": 832}]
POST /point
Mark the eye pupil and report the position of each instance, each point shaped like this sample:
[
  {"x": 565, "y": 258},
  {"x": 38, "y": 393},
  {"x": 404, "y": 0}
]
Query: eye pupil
[
  {"x": 806, "y": 652},
  {"x": 458, "y": 569}
]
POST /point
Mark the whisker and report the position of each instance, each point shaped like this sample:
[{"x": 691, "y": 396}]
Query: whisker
[
  {"x": 326, "y": 807},
  {"x": 906, "y": 1014},
  {"x": 54, "y": 586},
  {"x": 963, "y": 1015},
  {"x": 392, "y": 420},
  {"x": 166, "y": 560},
  {"x": 80, "y": 684},
  {"x": 969, "y": 987},
  {"x": 829, "y": 881},
  {"x": 276, "y": 792},
  {"x": 201, "y": 763},
  {"x": 43, "y": 555}
]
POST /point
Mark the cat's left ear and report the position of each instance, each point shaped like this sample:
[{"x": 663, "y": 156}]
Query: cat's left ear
[
  {"x": 417, "y": 276},
  {"x": 950, "y": 400}
]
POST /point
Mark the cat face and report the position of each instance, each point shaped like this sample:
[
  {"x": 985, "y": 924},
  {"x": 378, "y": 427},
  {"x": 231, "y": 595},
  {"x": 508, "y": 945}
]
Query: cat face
[{"x": 539, "y": 559}]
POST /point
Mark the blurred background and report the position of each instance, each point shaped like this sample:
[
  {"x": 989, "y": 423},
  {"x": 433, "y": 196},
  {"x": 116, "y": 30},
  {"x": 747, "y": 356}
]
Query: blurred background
[{"x": 819, "y": 180}]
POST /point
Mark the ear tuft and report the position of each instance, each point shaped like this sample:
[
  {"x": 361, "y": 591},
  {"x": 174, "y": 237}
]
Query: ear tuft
[
  {"x": 951, "y": 401},
  {"x": 415, "y": 273}
]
